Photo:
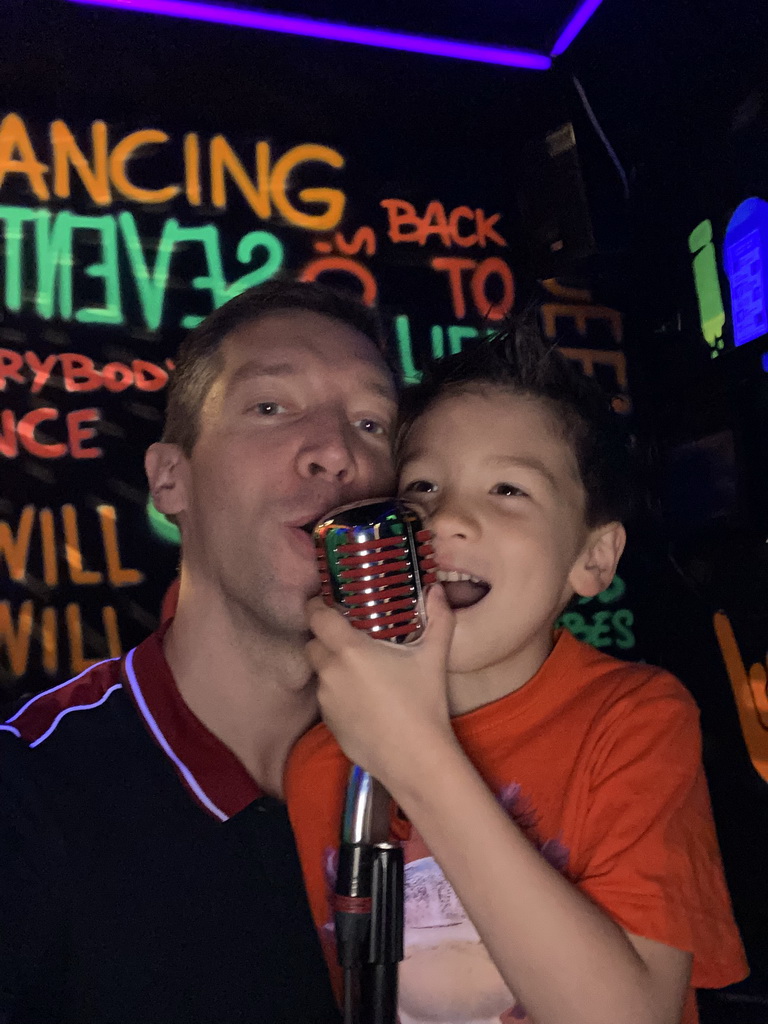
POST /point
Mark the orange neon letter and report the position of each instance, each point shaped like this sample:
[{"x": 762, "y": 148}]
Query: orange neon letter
[
  {"x": 124, "y": 151},
  {"x": 14, "y": 138},
  {"x": 749, "y": 691},
  {"x": 332, "y": 198},
  {"x": 67, "y": 154}
]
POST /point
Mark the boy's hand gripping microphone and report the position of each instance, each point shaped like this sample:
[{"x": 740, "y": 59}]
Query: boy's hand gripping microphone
[{"x": 375, "y": 562}]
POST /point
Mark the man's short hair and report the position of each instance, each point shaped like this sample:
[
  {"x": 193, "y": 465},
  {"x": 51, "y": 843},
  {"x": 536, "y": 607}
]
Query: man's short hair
[
  {"x": 520, "y": 361},
  {"x": 199, "y": 360}
]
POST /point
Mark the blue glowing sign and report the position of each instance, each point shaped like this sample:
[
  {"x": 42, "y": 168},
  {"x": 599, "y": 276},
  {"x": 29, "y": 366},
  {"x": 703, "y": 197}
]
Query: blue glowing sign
[{"x": 745, "y": 255}]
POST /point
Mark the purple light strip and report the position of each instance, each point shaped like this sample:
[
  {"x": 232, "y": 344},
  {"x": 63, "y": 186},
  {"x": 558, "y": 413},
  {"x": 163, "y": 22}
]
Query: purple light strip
[
  {"x": 295, "y": 26},
  {"x": 579, "y": 19}
]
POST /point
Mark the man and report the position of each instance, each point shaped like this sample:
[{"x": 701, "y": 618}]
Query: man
[{"x": 149, "y": 868}]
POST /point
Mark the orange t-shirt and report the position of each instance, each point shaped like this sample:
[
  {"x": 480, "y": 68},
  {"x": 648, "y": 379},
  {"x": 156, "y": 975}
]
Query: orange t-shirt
[{"x": 599, "y": 762}]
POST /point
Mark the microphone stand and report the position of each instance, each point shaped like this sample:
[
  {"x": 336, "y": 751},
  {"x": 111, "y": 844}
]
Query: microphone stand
[
  {"x": 368, "y": 905},
  {"x": 368, "y": 553}
]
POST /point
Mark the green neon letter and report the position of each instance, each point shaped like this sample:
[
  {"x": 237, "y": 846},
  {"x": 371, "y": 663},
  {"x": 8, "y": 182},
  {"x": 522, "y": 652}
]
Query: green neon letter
[
  {"x": 456, "y": 336},
  {"x": 271, "y": 265},
  {"x": 152, "y": 284},
  {"x": 111, "y": 312},
  {"x": 405, "y": 350},
  {"x": 438, "y": 342},
  {"x": 53, "y": 250},
  {"x": 208, "y": 236},
  {"x": 14, "y": 217},
  {"x": 707, "y": 283}
]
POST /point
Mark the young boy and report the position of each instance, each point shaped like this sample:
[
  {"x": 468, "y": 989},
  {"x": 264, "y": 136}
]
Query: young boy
[{"x": 562, "y": 865}]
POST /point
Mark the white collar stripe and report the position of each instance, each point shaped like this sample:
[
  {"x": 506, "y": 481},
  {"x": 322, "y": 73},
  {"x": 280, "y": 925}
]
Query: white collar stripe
[
  {"x": 53, "y": 689},
  {"x": 165, "y": 745},
  {"x": 75, "y": 707}
]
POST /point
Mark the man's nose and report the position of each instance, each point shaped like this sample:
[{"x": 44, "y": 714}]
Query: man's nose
[{"x": 328, "y": 449}]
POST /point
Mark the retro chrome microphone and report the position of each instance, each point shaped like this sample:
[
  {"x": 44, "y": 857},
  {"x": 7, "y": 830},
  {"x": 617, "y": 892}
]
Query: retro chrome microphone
[{"x": 375, "y": 562}]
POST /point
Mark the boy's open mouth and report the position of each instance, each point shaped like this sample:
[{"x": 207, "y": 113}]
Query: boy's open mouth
[{"x": 462, "y": 588}]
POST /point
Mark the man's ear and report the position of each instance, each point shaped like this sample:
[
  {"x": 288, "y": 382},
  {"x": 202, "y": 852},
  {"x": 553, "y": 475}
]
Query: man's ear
[
  {"x": 166, "y": 467},
  {"x": 596, "y": 565}
]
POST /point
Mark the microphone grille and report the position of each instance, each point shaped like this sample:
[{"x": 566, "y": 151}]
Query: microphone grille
[{"x": 376, "y": 560}]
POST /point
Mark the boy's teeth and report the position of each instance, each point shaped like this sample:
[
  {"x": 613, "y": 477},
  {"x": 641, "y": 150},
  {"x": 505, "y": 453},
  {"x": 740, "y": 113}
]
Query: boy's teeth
[{"x": 456, "y": 577}]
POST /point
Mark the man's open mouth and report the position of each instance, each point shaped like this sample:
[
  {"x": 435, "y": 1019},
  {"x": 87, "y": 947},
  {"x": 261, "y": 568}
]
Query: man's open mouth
[{"x": 462, "y": 588}]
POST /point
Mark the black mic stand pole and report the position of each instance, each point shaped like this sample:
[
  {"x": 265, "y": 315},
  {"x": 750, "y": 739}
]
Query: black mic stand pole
[{"x": 368, "y": 905}]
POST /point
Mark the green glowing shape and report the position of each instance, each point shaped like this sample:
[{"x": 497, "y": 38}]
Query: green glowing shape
[
  {"x": 410, "y": 374},
  {"x": 55, "y": 263},
  {"x": 53, "y": 251},
  {"x": 437, "y": 337},
  {"x": 271, "y": 266},
  {"x": 15, "y": 217},
  {"x": 151, "y": 284},
  {"x": 208, "y": 236},
  {"x": 457, "y": 334},
  {"x": 707, "y": 283},
  {"x": 111, "y": 312},
  {"x": 160, "y": 526}
]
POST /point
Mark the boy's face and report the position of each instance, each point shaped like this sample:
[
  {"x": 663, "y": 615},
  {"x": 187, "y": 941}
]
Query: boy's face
[{"x": 499, "y": 487}]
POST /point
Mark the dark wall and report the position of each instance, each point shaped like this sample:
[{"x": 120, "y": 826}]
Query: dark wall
[
  {"x": 667, "y": 84},
  {"x": 683, "y": 98}
]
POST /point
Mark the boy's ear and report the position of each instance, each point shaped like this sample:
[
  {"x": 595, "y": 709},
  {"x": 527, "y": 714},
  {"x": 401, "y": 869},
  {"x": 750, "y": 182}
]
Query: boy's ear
[
  {"x": 596, "y": 565},
  {"x": 166, "y": 467}
]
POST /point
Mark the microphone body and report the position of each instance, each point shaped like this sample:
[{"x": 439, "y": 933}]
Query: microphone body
[{"x": 375, "y": 560}]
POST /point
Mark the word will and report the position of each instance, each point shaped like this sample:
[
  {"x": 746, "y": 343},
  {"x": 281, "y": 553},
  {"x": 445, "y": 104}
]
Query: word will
[
  {"x": 51, "y": 539},
  {"x": 37, "y": 529},
  {"x": 18, "y": 629}
]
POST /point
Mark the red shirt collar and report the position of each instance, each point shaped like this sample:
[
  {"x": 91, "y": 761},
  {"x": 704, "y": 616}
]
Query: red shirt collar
[{"x": 208, "y": 769}]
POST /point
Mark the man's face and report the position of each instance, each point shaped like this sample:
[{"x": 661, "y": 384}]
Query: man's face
[{"x": 298, "y": 421}]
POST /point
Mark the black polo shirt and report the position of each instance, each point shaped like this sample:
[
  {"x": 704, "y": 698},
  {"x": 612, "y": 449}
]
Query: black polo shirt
[{"x": 144, "y": 878}]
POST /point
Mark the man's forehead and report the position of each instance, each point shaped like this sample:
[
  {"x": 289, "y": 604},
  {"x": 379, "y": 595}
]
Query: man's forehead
[
  {"x": 303, "y": 332},
  {"x": 288, "y": 342}
]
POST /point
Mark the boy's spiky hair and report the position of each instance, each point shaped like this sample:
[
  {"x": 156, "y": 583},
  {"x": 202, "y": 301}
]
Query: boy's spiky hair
[{"x": 520, "y": 361}]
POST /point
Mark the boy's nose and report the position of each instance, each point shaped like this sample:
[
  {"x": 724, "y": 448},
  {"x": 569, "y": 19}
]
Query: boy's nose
[{"x": 453, "y": 518}]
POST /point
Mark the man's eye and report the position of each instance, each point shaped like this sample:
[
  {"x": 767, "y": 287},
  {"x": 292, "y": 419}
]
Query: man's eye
[
  {"x": 418, "y": 487},
  {"x": 508, "y": 491},
  {"x": 371, "y": 426},
  {"x": 268, "y": 408}
]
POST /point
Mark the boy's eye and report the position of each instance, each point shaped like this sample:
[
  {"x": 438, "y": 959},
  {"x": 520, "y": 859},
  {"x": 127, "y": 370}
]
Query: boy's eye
[
  {"x": 508, "y": 491},
  {"x": 370, "y": 426},
  {"x": 419, "y": 487}
]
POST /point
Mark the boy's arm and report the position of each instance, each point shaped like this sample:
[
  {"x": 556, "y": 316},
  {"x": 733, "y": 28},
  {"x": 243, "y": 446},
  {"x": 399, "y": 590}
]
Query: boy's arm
[{"x": 561, "y": 956}]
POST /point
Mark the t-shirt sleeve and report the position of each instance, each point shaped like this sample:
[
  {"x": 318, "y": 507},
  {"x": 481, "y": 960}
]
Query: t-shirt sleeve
[
  {"x": 31, "y": 929},
  {"x": 650, "y": 853}
]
